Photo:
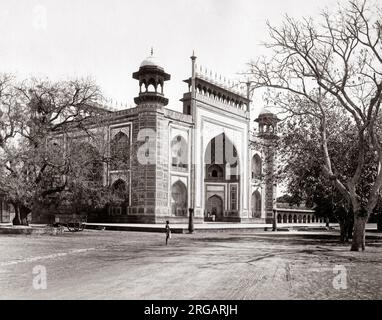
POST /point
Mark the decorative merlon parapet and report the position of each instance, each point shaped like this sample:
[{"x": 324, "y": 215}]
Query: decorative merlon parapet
[
  {"x": 239, "y": 110},
  {"x": 281, "y": 209},
  {"x": 113, "y": 105},
  {"x": 212, "y": 77}
]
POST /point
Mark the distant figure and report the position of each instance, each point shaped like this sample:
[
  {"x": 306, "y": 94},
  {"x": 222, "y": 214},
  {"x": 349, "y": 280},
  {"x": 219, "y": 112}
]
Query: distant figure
[{"x": 168, "y": 231}]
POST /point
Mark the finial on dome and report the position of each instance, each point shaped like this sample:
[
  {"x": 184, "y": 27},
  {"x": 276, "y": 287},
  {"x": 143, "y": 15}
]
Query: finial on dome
[{"x": 152, "y": 51}]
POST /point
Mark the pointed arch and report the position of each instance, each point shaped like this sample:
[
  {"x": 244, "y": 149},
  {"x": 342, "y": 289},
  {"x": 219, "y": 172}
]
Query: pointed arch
[
  {"x": 221, "y": 151},
  {"x": 179, "y": 199},
  {"x": 88, "y": 161},
  {"x": 256, "y": 166},
  {"x": 119, "y": 151},
  {"x": 159, "y": 88},
  {"x": 120, "y": 190},
  {"x": 179, "y": 152},
  {"x": 215, "y": 171},
  {"x": 215, "y": 207},
  {"x": 256, "y": 204}
]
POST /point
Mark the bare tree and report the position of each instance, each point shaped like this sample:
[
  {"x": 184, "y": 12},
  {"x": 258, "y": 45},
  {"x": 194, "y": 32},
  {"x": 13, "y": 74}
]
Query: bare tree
[{"x": 337, "y": 60}]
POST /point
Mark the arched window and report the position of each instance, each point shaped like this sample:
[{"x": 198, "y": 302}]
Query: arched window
[
  {"x": 119, "y": 151},
  {"x": 159, "y": 88},
  {"x": 179, "y": 152},
  {"x": 290, "y": 218},
  {"x": 221, "y": 151},
  {"x": 120, "y": 190},
  {"x": 256, "y": 204},
  {"x": 285, "y": 219},
  {"x": 279, "y": 218},
  {"x": 87, "y": 163},
  {"x": 256, "y": 166},
  {"x": 179, "y": 199},
  {"x": 150, "y": 88},
  {"x": 120, "y": 196},
  {"x": 142, "y": 87},
  {"x": 215, "y": 171}
]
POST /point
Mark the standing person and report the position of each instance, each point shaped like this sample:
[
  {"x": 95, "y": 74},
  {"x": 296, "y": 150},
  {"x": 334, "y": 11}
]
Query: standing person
[{"x": 168, "y": 231}]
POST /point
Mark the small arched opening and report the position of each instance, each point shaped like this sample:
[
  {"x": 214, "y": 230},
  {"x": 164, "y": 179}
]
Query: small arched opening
[
  {"x": 256, "y": 204},
  {"x": 256, "y": 166},
  {"x": 179, "y": 199},
  {"x": 179, "y": 152}
]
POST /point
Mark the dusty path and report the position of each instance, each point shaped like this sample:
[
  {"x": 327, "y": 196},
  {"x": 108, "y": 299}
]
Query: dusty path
[{"x": 136, "y": 265}]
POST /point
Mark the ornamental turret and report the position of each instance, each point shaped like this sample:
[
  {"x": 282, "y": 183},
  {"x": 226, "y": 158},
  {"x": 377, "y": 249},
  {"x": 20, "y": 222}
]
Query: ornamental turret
[{"x": 151, "y": 77}]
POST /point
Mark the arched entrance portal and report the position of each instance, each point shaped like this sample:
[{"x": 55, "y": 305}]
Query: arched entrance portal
[
  {"x": 215, "y": 207},
  {"x": 221, "y": 179}
]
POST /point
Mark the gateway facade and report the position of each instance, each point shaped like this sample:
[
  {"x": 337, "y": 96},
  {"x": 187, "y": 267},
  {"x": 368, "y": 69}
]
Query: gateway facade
[{"x": 202, "y": 158}]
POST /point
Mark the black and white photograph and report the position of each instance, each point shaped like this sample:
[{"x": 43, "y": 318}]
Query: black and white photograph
[{"x": 204, "y": 151}]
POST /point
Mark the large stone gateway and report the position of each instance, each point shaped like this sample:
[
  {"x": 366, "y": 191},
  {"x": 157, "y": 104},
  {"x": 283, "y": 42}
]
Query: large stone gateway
[{"x": 164, "y": 162}]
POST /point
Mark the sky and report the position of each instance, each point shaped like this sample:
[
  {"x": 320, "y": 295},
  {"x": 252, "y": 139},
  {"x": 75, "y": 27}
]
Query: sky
[{"x": 106, "y": 40}]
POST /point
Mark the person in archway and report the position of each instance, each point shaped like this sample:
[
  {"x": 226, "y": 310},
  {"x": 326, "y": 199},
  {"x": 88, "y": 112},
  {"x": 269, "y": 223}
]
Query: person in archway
[{"x": 168, "y": 231}]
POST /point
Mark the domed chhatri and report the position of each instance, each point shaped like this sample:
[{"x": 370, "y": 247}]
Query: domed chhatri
[
  {"x": 151, "y": 61},
  {"x": 151, "y": 79},
  {"x": 267, "y": 121},
  {"x": 265, "y": 110}
]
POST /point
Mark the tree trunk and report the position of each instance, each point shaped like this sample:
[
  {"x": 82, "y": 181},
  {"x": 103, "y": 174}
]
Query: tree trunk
[
  {"x": 16, "y": 220},
  {"x": 21, "y": 214},
  {"x": 346, "y": 229},
  {"x": 350, "y": 228},
  {"x": 24, "y": 211},
  {"x": 343, "y": 231},
  {"x": 359, "y": 233},
  {"x": 379, "y": 222}
]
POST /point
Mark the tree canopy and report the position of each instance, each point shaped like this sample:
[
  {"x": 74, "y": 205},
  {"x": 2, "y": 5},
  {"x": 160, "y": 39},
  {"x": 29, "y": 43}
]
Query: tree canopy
[
  {"x": 333, "y": 62},
  {"x": 40, "y": 122}
]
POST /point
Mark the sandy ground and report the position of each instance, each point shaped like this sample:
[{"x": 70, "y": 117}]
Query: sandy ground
[{"x": 220, "y": 265}]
